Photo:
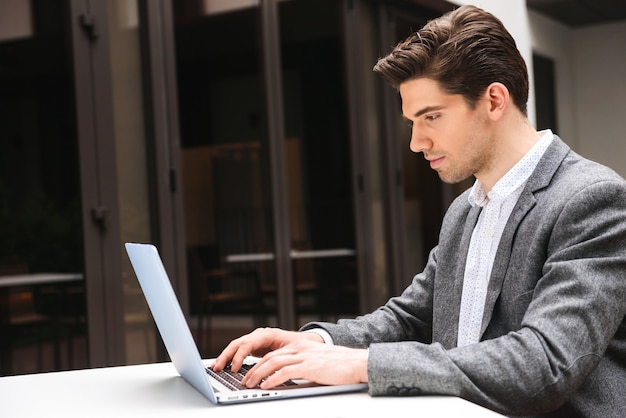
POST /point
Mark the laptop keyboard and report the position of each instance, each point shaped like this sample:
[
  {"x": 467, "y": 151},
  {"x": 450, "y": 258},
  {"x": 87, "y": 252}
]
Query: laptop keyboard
[{"x": 232, "y": 379}]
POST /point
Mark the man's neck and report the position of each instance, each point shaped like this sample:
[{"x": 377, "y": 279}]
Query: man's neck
[{"x": 511, "y": 142}]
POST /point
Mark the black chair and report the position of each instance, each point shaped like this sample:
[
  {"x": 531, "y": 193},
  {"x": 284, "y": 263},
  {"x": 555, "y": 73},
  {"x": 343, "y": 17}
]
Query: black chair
[
  {"x": 20, "y": 325},
  {"x": 221, "y": 291},
  {"x": 65, "y": 305}
]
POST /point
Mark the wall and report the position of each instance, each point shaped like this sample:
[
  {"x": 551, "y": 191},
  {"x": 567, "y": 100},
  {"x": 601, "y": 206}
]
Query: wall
[
  {"x": 599, "y": 62},
  {"x": 590, "y": 66},
  {"x": 552, "y": 40}
]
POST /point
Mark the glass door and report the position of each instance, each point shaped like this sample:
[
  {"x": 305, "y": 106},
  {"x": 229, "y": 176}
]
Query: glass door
[
  {"x": 42, "y": 282},
  {"x": 318, "y": 163},
  {"x": 225, "y": 170},
  {"x": 266, "y": 165}
]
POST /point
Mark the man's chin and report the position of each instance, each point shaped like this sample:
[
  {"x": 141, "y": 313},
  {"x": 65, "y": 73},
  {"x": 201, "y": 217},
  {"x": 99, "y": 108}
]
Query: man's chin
[{"x": 452, "y": 178}]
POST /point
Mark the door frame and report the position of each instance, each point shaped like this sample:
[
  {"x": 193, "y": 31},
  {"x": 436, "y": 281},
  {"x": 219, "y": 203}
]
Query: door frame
[
  {"x": 103, "y": 249},
  {"x": 98, "y": 177}
]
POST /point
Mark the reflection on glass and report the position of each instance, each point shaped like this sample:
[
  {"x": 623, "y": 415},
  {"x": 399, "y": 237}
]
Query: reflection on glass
[
  {"x": 225, "y": 170},
  {"x": 227, "y": 197},
  {"x": 317, "y": 149}
]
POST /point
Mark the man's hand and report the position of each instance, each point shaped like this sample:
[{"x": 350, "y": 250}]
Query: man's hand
[
  {"x": 320, "y": 363},
  {"x": 258, "y": 343},
  {"x": 293, "y": 355}
]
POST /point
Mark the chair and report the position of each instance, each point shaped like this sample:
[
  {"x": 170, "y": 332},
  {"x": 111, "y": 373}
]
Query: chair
[
  {"x": 20, "y": 324},
  {"x": 221, "y": 291},
  {"x": 65, "y": 305}
]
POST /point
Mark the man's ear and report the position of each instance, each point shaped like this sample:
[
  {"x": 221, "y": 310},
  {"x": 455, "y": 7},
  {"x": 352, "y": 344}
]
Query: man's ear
[{"x": 497, "y": 96}]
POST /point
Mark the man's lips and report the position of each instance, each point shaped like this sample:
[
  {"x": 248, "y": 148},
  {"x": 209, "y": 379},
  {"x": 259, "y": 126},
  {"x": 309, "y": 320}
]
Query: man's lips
[{"x": 435, "y": 162}]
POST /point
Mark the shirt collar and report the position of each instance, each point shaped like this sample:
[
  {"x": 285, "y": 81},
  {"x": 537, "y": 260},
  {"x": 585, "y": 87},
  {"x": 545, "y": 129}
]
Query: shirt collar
[{"x": 515, "y": 177}]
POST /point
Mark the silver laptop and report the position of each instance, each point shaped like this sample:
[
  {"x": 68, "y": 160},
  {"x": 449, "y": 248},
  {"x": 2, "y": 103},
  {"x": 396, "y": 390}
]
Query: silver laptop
[{"x": 219, "y": 388}]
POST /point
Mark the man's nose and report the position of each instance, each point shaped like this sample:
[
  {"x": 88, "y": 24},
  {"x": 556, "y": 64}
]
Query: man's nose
[{"x": 419, "y": 142}]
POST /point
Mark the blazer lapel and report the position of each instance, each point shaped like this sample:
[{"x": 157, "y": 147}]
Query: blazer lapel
[
  {"x": 450, "y": 290},
  {"x": 540, "y": 179},
  {"x": 503, "y": 256}
]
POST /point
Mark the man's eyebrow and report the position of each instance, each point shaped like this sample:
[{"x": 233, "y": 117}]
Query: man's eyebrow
[{"x": 427, "y": 109}]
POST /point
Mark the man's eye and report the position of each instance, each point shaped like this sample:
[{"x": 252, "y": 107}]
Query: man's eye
[{"x": 432, "y": 117}]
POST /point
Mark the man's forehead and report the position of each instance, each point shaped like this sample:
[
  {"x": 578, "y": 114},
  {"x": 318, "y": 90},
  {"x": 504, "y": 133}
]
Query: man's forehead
[
  {"x": 422, "y": 94},
  {"x": 423, "y": 89}
]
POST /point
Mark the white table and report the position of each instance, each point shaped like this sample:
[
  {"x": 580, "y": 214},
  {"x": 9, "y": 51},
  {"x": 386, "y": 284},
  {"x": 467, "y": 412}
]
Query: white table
[{"x": 156, "y": 390}]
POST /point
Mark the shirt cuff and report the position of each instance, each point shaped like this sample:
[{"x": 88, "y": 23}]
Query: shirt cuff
[{"x": 322, "y": 333}]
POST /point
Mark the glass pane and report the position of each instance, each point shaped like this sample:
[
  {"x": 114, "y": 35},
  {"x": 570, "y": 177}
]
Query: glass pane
[
  {"x": 42, "y": 286},
  {"x": 132, "y": 169},
  {"x": 226, "y": 189},
  {"x": 317, "y": 150}
]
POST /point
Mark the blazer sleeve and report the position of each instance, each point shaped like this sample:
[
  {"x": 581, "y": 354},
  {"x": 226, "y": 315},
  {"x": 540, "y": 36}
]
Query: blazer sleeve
[{"x": 407, "y": 317}]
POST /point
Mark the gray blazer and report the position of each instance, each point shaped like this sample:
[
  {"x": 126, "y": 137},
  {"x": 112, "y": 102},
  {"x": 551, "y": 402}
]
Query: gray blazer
[{"x": 553, "y": 333}]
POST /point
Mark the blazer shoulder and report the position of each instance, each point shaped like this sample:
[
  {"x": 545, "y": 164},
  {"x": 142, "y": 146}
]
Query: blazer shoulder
[{"x": 561, "y": 166}]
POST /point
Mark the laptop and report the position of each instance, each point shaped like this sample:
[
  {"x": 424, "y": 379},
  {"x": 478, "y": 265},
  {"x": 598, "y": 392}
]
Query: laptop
[{"x": 222, "y": 388}]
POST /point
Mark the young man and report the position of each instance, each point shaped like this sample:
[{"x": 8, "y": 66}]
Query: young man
[{"x": 521, "y": 306}]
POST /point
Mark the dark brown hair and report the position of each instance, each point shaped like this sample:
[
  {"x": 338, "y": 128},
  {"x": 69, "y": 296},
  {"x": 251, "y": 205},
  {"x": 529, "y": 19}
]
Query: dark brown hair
[{"x": 465, "y": 50}]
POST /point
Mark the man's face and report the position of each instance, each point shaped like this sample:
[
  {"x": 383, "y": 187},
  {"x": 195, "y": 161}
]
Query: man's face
[{"x": 453, "y": 137}]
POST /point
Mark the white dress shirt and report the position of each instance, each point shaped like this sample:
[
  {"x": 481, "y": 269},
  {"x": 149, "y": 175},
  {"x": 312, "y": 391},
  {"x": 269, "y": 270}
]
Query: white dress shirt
[{"x": 497, "y": 206}]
